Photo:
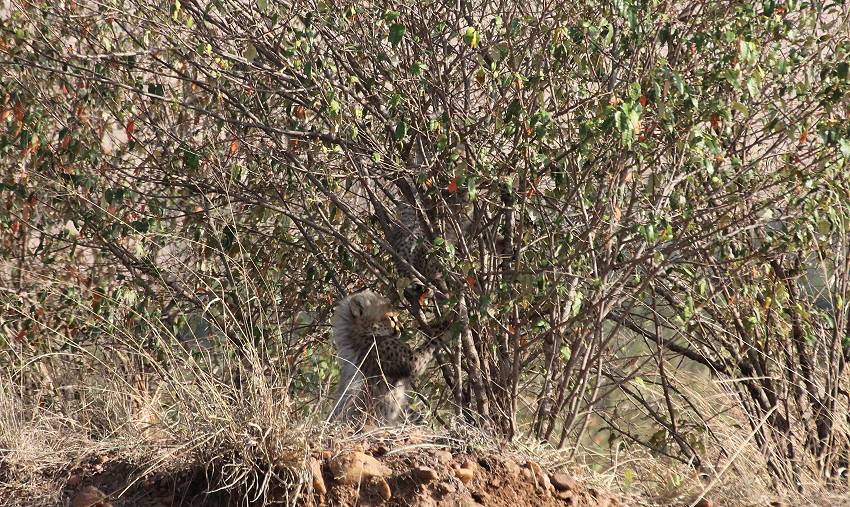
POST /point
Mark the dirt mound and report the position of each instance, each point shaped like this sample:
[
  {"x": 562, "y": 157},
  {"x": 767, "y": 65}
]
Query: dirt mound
[
  {"x": 364, "y": 477},
  {"x": 439, "y": 478}
]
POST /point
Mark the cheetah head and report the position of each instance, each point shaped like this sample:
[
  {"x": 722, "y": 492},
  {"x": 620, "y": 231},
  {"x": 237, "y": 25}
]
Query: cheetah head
[{"x": 361, "y": 310}]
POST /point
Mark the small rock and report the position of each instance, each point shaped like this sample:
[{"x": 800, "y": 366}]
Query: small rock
[
  {"x": 563, "y": 482},
  {"x": 425, "y": 474},
  {"x": 380, "y": 450},
  {"x": 495, "y": 483},
  {"x": 318, "y": 481},
  {"x": 464, "y": 474},
  {"x": 540, "y": 478},
  {"x": 470, "y": 464},
  {"x": 443, "y": 488},
  {"x": 526, "y": 473},
  {"x": 89, "y": 496},
  {"x": 73, "y": 481},
  {"x": 353, "y": 467},
  {"x": 565, "y": 494},
  {"x": 512, "y": 467},
  {"x": 443, "y": 457},
  {"x": 704, "y": 502},
  {"x": 382, "y": 487}
]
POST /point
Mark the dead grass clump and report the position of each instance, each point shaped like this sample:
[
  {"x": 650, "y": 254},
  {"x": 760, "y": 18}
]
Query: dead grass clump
[{"x": 161, "y": 416}]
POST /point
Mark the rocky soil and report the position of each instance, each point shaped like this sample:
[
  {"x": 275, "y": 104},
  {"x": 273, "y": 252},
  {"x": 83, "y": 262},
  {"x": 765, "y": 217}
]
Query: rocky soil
[{"x": 428, "y": 476}]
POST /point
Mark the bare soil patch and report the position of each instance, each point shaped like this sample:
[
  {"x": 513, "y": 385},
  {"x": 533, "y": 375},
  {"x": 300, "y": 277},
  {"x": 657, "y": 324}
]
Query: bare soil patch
[{"x": 426, "y": 476}]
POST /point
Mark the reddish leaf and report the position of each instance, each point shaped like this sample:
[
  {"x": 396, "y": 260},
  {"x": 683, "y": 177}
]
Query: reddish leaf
[
  {"x": 642, "y": 100},
  {"x": 715, "y": 121},
  {"x": 234, "y": 147},
  {"x": 19, "y": 112},
  {"x": 131, "y": 127},
  {"x": 453, "y": 186},
  {"x": 424, "y": 297}
]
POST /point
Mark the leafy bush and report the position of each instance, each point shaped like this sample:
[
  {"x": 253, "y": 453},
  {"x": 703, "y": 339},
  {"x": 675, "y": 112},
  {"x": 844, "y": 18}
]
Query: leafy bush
[{"x": 618, "y": 196}]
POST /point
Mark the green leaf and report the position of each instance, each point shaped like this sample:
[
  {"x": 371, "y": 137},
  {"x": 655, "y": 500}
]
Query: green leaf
[
  {"x": 156, "y": 89},
  {"x": 236, "y": 173},
  {"x": 628, "y": 477},
  {"x": 334, "y": 107},
  {"x": 513, "y": 110},
  {"x": 679, "y": 84},
  {"x": 575, "y": 307},
  {"x": 753, "y": 88},
  {"x": 471, "y": 189},
  {"x": 732, "y": 76},
  {"x": 390, "y": 16},
  {"x": 843, "y": 70},
  {"x": 649, "y": 233},
  {"x": 191, "y": 160},
  {"x": 400, "y": 131},
  {"x": 471, "y": 37},
  {"x": 844, "y": 145},
  {"x": 634, "y": 91},
  {"x": 396, "y": 33},
  {"x": 250, "y": 52}
]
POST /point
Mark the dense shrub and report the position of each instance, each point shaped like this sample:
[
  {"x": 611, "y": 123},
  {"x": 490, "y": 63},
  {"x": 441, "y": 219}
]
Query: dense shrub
[{"x": 621, "y": 197}]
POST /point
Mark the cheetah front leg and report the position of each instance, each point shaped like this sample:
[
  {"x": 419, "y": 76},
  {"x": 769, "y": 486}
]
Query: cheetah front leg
[
  {"x": 350, "y": 387},
  {"x": 392, "y": 404}
]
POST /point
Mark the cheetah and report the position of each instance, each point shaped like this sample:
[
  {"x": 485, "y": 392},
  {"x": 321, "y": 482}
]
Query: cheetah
[
  {"x": 377, "y": 368},
  {"x": 406, "y": 238}
]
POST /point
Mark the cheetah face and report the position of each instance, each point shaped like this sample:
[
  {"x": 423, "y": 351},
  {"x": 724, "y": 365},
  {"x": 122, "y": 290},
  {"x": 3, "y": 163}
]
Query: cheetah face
[{"x": 388, "y": 326}]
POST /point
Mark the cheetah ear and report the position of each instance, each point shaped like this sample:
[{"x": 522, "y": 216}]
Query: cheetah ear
[{"x": 356, "y": 309}]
